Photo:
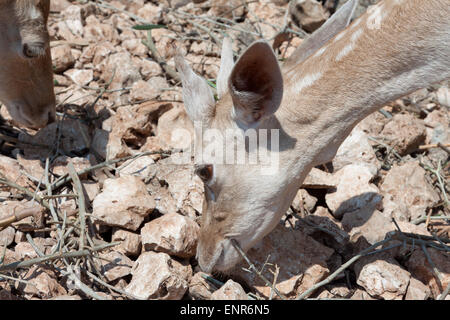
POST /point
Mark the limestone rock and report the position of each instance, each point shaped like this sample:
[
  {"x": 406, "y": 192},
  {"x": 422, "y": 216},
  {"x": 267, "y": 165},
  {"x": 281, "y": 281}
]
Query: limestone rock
[
  {"x": 404, "y": 133},
  {"x": 354, "y": 190},
  {"x": 200, "y": 288},
  {"x": 420, "y": 268},
  {"x": 124, "y": 202},
  {"x": 230, "y": 291},
  {"x": 157, "y": 276},
  {"x": 62, "y": 58},
  {"x": 405, "y": 189},
  {"x": 383, "y": 278},
  {"x": 356, "y": 149},
  {"x": 302, "y": 261},
  {"x": 173, "y": 234},
  {"x": 130, "y": 241}
]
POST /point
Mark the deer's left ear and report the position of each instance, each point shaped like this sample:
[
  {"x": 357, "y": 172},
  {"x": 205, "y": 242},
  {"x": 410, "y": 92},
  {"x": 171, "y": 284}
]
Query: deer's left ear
[{"x": 256, "y": 84}]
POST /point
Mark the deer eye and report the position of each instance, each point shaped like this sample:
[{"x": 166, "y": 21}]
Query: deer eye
[
  {"x": 205, "y": 172},
  {"x": 32, "y": 51}
]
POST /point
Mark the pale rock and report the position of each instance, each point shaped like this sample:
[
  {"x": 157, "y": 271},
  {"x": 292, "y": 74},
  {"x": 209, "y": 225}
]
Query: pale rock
[
  {"x": 165, "y": 203},
  {"x": 95, "y": 31},
  {"x": 340, "y": 291},
  {"x": 302, "y": 261},
  {"x": 115, "y": 265},
  {"x": 41, "y": 282},
  {"x": 303, "y": 200},
  {"x": 309, "y": 14},
  {"x": 61, "y": 83},
  {"x": 406, "y": 189},
  {"x": 60, "y": 165},
  {"x": 72, "y": 18},
  {"x": 369, "y": 223},
  {"x": 443, "y": 96},
  {"x": 130, "y": 242},
  {"x": 200, "y": 288},
  {"x": 383, "y": 278},
  {"x": 230, "y": 291},
  {"x": 417, "y": 290},
  {"x": 59, "y": 5},
  {"x": 124, "y": 202},
  {"x": 354, "y": 190},
  {"x": 185, "y": 187},
  {"x": 90, "y": 190},
  {"x": 438, "y": 127},
  {"x": 132, "y": 126},
  {"x": 319, "y": 179},
  {"x": 404, "y": 133},
  {"x": 120, "y": 69},
  {"x": 230, "y": 9},
  {"x": 420, "y": 269},
  {"x": 157, "y": 276},
  {"x": 175, "y": 129},
  {"x": 96, "y": 53},
  {"x": 373, "y": 124},
  {"x": 356, "y": 149},
  {"x": 135, "y": 46},
  {"x": 10, "y": 257},
  {"x": 325, "y": 294},
  {"x": 24, "y": 250},
  {"x": 9, "y": 208},
  {"x": 80, "y": 77},
  {"x": 361, "y": 295},
  {"x": 147, "y": 90},
  {"x": 173, "y": 234},
  {"x": 66, "y": 297},
  {"x": 149, "y": 69},
  {"x": 11, "y": 170},
  {"x": 141, "y": 167},
  {"x": 62, "y": 58},
  {"x": 7, "y": 236},
  {"x": 150, "y": 12}
]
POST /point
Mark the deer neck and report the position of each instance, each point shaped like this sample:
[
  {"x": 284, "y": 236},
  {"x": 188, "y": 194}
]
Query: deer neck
[{"x": 374, "y": 61}]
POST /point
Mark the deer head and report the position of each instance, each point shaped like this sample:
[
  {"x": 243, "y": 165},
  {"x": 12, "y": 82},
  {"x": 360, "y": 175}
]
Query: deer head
[
  {"x": 335, "y": 78},
  {"x": 26, "y": 75}
]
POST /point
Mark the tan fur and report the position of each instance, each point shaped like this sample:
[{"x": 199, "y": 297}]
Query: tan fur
[
  {"x": 396, "y": 48},
  {"x": 26, "y": 84}
]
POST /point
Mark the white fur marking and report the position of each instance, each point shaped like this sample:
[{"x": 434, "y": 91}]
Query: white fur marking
[
  {"x": 34, "y": 13},
  {"x": 340, "y": 36},
  {"x": 356, "y": 23},
  {"x": 320, "y": 52},
  {"x": 376, "y": 17},
  {"x": 344, "y": 52},
  {"x": 307, "y": 81},
  {"x": 358, "y": 33}
]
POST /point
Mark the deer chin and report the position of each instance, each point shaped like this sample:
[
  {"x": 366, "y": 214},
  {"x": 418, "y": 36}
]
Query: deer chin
[{"x": 225, "y": 258}]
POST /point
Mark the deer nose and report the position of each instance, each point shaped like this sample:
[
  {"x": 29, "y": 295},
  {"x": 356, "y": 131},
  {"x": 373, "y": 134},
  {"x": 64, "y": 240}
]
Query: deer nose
[
  {"x": 51, "y": 117},
  {"x": 47, "y": 117}
]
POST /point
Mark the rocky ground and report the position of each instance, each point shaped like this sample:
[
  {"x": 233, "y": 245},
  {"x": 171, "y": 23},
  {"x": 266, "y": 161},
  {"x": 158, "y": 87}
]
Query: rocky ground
[{"x": 127, "y": 229}]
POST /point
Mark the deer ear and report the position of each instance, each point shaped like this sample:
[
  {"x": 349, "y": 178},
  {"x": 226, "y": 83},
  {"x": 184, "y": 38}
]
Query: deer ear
[
  {"x": 198, "y": 96},
  {"x": 335, "y": 24},
  {"x": 226, "y": 66},
  {"x": 256, "y": 84}
]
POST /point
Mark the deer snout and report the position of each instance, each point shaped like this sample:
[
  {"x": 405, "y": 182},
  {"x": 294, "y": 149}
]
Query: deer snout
[
  {"x": 46, "y": 116},
  {"x": 35, "y": 118},
  {"x": 220, "y": 256}
]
